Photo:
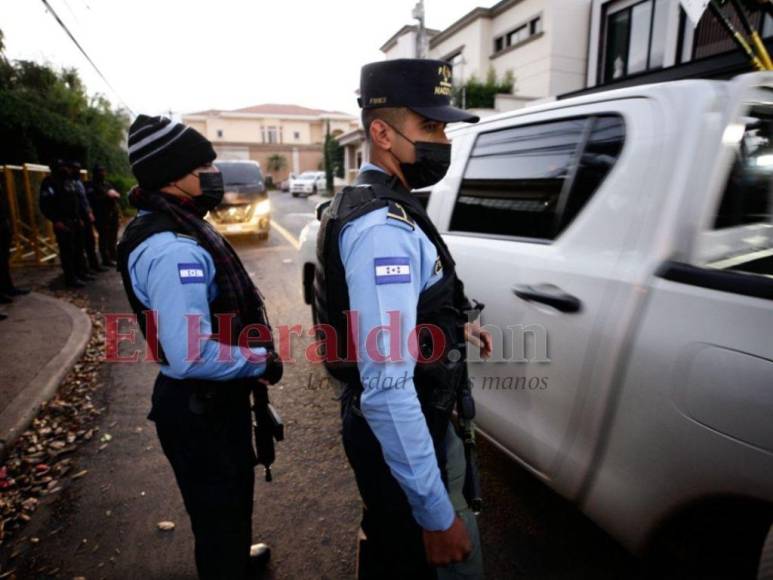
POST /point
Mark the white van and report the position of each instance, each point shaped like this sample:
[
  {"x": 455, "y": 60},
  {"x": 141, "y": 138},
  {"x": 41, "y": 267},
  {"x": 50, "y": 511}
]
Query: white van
[{"x": 622, "y": 243}]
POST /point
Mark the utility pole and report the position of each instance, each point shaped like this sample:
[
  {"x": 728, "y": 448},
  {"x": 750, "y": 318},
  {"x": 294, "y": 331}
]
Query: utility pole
[{"x": 418, "y": 14}]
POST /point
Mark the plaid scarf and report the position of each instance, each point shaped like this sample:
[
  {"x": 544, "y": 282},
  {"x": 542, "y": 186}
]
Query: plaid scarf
[{"x": 237, "y": 294}]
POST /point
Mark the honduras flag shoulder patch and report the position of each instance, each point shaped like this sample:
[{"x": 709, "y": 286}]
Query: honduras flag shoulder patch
[
  {"x": 191, "y": 273},
  {"x": 393, "y": 270}
]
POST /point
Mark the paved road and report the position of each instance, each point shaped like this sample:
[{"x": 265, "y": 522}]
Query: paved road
[{"x": 103, "y": 525}]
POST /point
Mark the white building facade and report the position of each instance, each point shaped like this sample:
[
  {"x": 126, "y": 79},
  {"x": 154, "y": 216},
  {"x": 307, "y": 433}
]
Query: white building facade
[{"x": 544, "y": 43}]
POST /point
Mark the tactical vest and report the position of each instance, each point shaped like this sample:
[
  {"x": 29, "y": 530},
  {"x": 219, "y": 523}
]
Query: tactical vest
[
  {"x": 64, "y": 203},
  {"x": 443, "y": 304},
  {"x": 140, "y": 229}
]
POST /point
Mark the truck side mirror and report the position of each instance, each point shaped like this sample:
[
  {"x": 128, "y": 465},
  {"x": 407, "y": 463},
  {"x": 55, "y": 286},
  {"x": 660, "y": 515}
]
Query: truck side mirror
[{"x": 321, "y": 207}]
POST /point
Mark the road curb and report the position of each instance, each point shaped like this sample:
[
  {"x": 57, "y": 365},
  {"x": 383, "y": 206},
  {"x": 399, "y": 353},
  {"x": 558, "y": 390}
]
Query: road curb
[{"x": 18, "y": 415}]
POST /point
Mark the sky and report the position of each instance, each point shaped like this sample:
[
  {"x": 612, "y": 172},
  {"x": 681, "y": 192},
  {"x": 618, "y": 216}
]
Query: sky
[{"x": 190, "y": 55}]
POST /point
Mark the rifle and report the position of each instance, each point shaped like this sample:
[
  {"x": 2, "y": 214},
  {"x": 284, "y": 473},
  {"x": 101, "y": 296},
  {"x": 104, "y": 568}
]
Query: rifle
[
  {"x": 268, "y": 427},
  {"x": 466, "y": 414}
]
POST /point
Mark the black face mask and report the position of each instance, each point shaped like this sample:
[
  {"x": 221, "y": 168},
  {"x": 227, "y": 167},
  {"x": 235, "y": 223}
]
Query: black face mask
[
  {"x": 431, "y": 165},
  {"x": 212, "y": 191}
]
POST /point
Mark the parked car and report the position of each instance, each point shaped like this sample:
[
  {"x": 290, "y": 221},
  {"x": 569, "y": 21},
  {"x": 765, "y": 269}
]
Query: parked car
[
  {"x": 246, "y": 208},
  {"x": 622, "y": 243},
  {"x": 285, "y": 184},
  {"x": 308, "y": 183}
]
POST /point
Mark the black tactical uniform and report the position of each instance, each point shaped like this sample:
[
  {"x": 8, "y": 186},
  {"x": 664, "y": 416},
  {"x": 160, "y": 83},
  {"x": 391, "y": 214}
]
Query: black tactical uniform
[
  {"x": 7, "y": 288},
  {"x": 106, "y": 214},
  {"x": 85, "y": 214},
  {"x": 60, "y": 203}
]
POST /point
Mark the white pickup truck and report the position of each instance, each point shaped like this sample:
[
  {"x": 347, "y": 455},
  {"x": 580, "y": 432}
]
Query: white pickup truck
[{"x": 622, "y": 243}]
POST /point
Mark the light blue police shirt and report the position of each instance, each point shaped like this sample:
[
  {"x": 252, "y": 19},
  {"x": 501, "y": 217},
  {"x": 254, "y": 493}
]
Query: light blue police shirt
[
  {"x": 175, "y": 277},
  {"x": 388, "y": 263}
]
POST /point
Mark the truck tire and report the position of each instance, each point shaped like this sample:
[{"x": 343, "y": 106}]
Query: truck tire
[{"x": 765, "y": 571}]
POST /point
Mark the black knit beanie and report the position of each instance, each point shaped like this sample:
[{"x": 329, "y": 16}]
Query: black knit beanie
[{"x": 161, "y": 151}]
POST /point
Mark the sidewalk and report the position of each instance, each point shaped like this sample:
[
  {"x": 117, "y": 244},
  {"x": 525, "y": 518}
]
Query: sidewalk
[{"x": 40, "y": 341}]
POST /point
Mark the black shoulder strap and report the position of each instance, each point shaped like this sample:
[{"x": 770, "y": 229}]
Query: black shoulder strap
[{"x": 416, "y": 213}]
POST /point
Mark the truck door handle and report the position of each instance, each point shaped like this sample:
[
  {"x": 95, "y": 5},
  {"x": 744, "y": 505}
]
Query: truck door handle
[{"x": 550, "y": 295}]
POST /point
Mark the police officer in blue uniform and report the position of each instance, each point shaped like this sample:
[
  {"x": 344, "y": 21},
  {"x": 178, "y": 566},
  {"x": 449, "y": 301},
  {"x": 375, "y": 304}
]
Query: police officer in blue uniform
[
  {"x": 383, "y": 262},
  {"x": 176, "y": 266}
]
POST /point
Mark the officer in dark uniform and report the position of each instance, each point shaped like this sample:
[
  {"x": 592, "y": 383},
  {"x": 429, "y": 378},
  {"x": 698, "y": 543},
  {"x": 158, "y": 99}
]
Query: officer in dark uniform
[
  {"x": 60, "y": 202},
  {"x": 177, "y": 266},
  {"x": 384, "y": 264},
  {"x": 87, "y": 219},
  {"x": 7, "y": 289},
  {"x": 104, "y": 203}
]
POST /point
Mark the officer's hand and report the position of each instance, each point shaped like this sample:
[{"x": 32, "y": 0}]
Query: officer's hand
[
  {"x": 91, "y": 217},
  {"x": 274, "y": 369},
  {"x": 448, "y": 547},
  {"x": 60, "y": 227},
  {"x": 479, "y": 337}
]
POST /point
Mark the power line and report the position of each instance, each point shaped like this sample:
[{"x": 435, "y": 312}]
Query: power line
[
  {"x": 88, "y": 58},
  {"x": 69, "y": 9}
]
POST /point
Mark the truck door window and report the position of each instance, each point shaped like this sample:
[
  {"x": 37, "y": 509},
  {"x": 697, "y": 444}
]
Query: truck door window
[
  {"x": 735, "y": 253},
  {"x": 742, "y": 236},
  {"x": 532, "y": 181}
]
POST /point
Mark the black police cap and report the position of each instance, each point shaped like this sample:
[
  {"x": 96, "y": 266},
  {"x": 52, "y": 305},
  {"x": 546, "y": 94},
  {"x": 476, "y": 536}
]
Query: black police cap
[{"x": 421, "y": 85}]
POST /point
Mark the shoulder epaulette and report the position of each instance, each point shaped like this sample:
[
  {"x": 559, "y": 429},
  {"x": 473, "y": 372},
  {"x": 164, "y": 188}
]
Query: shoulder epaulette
[
  {"x": 397, "y": 212},
  {"x": 186, "y": 236}
]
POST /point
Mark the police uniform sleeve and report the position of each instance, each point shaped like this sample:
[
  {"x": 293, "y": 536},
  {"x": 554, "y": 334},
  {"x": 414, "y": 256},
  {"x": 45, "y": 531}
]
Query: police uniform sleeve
[
  {"x": 384, "y": 278},
  {"x": 176, "y": 281}
]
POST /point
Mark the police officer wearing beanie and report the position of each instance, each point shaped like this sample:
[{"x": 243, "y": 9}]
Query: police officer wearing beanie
[
  {"x": 175, "y": 265},
  {"x": 382, "y": 260}
]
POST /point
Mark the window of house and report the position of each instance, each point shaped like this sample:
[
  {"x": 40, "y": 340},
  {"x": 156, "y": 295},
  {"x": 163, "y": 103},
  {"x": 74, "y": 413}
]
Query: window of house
[
  {"x": 535, "y": 26},
  {"x": 456, "y": 61},
  {"x": 519, "y": 34},
  {"x": 219, "y": 132},
  {"x": 532, "y": 181},
  {"x": 269, "y": 134},
  {"x": 633, "y": 37},
  {"x": 297, "y": 135}
]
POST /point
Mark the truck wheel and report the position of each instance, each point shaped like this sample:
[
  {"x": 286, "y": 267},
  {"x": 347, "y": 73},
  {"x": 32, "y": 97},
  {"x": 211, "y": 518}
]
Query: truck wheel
[
  {"x": 295, "y": 194},
  {"x": 765, "y": 571}
]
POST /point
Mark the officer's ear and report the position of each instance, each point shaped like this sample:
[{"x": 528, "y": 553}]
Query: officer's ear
[{"x": 380, "y": 135}]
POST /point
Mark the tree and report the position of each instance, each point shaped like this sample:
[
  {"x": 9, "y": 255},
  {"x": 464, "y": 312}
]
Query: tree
[
  {"x": 276, "y": 163},
  {"x": 476, "y": 94},
  {"x": 46, "y": 114},
  {"x": 333, "y": 160}
]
